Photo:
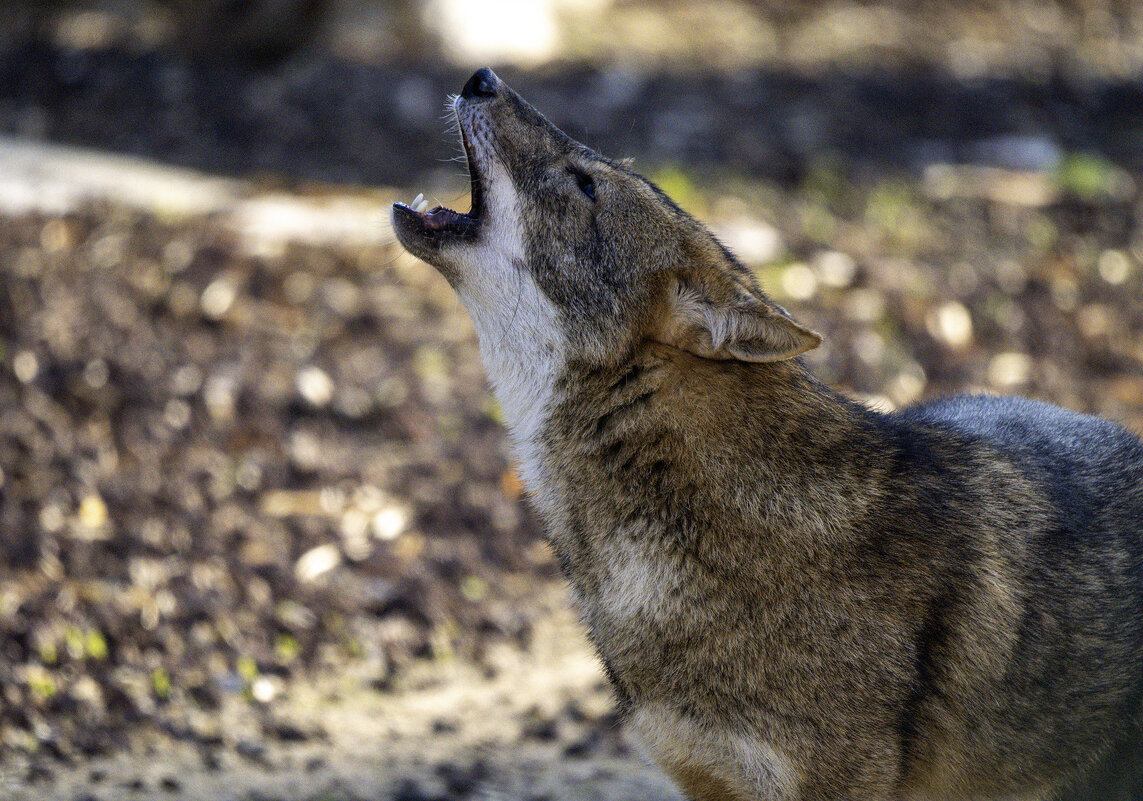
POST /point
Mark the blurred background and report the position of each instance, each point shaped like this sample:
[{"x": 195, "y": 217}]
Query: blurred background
[{"x": 260, "y": 534}]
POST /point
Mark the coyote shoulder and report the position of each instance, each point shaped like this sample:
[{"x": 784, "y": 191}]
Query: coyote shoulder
[{"x": 794, "y": 596}]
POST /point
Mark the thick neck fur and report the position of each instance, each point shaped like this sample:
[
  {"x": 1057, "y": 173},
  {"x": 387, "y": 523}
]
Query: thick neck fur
[
  {"x": 522, "y": 357},
  {"x": 722, "y": 468},
  {"x": 517, "y": 326}
]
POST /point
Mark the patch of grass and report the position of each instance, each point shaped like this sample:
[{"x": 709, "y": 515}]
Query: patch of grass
[
  {"x": 1089, "y": 176},
  {"x": 42, "y": 685},
  {"x": 286, "y": 647},
  {"x": 95, "y": 645},
  {"x": 161, "y": 683}
]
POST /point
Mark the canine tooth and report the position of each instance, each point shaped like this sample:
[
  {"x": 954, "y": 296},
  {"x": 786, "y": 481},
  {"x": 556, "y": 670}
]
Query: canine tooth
[{"x": 417, "y": 200}]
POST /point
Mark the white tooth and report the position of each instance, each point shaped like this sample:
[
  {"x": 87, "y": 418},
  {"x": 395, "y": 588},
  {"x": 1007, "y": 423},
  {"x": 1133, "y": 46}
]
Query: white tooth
[
  {"x": 417, "y": 200},
  {"x": 424, "y": 205}
]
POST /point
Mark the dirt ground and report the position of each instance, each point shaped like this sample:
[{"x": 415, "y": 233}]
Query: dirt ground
[{"x": 260, "y": 535}]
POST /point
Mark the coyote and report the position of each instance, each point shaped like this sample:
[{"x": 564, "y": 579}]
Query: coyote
[{"x": 793, "y": 596}]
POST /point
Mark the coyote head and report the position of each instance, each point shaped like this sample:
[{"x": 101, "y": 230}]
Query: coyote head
[{"x": 569, "y": 257}]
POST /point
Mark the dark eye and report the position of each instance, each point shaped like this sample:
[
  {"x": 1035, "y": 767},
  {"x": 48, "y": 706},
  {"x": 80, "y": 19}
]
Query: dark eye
[{"x": 584, "y": 181}]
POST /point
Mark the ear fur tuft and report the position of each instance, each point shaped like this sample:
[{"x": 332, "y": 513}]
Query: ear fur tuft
[{"x": 746, "y": 328}]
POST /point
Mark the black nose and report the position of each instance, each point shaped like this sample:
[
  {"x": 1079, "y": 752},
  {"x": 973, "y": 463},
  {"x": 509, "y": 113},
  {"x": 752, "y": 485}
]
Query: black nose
[{"x": 483, "y": 83}]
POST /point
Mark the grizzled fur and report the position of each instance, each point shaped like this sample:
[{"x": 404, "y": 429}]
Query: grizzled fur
[{"x": 795, "y": 597}]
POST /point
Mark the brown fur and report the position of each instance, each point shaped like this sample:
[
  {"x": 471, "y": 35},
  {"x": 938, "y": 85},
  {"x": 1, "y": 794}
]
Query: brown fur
[
  {"x": 700, "y": 785},
  {"x": 794, "y": 597}
]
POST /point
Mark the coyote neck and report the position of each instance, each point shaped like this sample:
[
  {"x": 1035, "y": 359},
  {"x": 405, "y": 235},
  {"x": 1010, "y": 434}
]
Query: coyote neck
[{"x": 707, "y": 458}]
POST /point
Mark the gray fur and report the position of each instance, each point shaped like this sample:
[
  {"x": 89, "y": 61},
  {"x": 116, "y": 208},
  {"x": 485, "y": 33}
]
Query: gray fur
[{"x": 796, "y": 597}]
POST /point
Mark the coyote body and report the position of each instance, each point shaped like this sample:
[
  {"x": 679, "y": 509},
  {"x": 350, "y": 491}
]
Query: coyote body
[{"x": 794, "y": 597}]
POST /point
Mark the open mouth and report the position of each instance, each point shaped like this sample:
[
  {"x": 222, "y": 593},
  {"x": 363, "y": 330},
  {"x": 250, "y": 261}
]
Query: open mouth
[{"x": 437, "y": 224}]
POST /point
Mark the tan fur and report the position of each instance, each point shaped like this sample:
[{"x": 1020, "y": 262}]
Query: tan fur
[
  {"x": 700, "y": 785},
  {"x": 795, "y": 598}
]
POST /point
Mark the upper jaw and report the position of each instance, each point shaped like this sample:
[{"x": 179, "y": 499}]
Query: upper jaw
[{"x": 423, "y": 230}]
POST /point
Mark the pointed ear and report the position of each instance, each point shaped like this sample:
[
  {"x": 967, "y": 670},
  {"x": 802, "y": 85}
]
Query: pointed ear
[{"x": 744, "y": 326}]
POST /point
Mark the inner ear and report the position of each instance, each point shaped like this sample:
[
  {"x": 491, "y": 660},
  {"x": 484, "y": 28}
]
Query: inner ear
[{"x": 739, "y": 324}]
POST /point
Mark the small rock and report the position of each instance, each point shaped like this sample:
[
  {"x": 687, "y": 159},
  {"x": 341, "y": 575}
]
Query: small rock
[
  {"x": 459, "y": 781},
  {"x": 799, "y": 281},
  {"x": 26, "y": 366},
  {"x": 539, "y": 727},
  {"x": 315, "y": 386},
  {"x": 289, "y": 732},
  {"x": 315, "y": 764},
  {"x": 1009, "y": 369},
  {"x": 38, "y": 773},
  {"x": 265, "y": 689},
  {"x": 835, "y": 269},
  {"x": 445, "y": 726},
  {"x": 951, "y": 323},
  {"x": 255, "y": 752},
  {"x": 316, "y": 562},
  {"x": 583, "y": 746},
  {"x": 217, "y": 298},
  {"x": 409, "y": 790},
  {"x": 390, "y": 522}
]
